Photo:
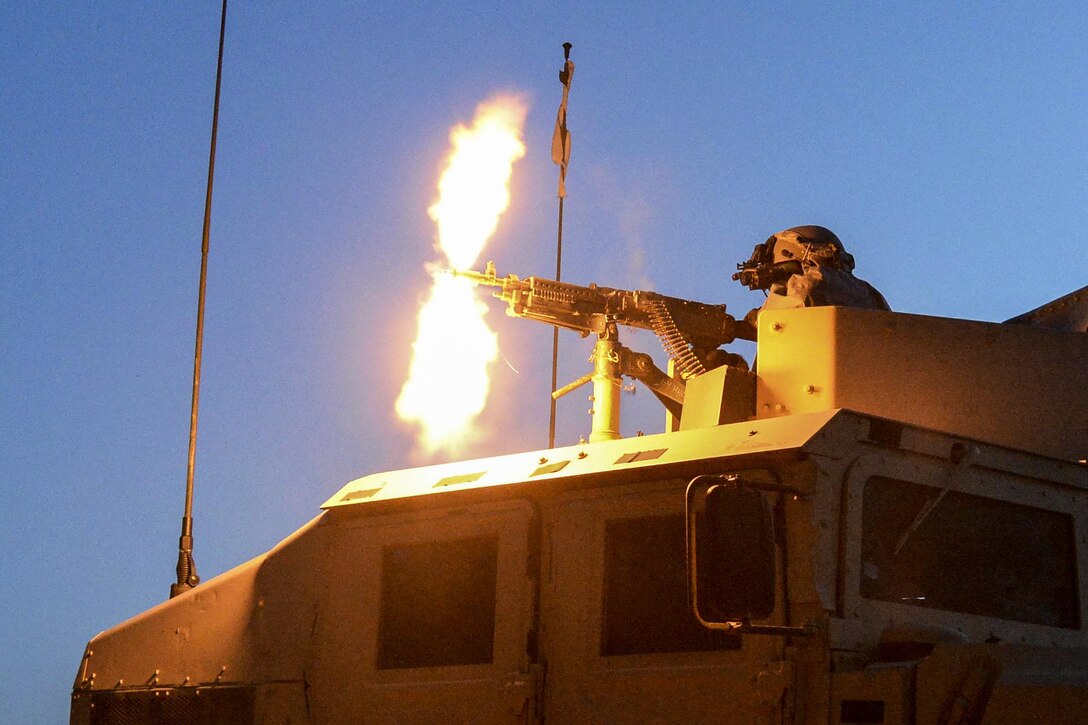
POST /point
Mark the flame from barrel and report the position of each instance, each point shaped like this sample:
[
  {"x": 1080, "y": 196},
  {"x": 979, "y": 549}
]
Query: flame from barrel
[{"x": 447, "y": 384}]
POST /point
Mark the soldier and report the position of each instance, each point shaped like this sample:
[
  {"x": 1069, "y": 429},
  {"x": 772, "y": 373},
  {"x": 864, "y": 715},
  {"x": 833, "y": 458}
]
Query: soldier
[{"x": 806, "y": 266}]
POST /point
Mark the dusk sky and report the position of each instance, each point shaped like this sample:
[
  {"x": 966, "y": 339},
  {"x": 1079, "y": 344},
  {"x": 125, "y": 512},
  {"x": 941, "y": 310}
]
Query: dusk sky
[{"x": 945, "y": 143}]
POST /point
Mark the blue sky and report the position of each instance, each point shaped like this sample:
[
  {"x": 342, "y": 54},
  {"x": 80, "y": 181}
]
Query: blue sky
[{"x": 944, "y": 143}]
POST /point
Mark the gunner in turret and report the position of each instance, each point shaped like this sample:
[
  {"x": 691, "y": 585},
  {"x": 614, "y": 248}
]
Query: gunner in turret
[{"x": 806, "y": 266}]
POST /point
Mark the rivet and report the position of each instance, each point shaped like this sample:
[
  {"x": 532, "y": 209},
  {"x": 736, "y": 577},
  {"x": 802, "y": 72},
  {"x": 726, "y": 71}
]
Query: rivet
[
  {"x": 582, "y": 454},
  {"x": 777, "y": 326},
  {"x": 543, "y": 460},
  {"x": 810, "y": 389},
  {"x": 752, "y": 432}
]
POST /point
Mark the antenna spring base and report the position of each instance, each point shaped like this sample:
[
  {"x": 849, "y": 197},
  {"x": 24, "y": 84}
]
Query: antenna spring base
[{"x": 186, "y": 567}]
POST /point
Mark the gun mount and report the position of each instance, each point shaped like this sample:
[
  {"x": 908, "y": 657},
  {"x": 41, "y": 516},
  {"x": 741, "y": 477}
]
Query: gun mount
[{"x": 690, "y": 332}]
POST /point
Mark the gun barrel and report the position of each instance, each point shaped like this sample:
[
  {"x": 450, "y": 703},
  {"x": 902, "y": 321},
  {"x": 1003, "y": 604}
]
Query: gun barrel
[{"x": 486, "y": 278}]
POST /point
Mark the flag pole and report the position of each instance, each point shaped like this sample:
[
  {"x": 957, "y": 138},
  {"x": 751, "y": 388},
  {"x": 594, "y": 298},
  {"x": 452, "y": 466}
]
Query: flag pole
[
  {"x": 561, "y": 156},
  {"x": 186, "y": 567}
]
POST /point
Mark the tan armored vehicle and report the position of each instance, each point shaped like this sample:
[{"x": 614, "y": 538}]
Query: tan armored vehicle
[{"x": 887, "y": 522}]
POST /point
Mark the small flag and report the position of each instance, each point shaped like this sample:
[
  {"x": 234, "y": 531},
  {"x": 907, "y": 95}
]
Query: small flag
[{"x": 561, "y": 136}]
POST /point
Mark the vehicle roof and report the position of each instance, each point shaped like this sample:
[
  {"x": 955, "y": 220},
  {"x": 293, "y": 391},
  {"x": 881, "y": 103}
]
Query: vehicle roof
[{"x": 659, "y": 451}]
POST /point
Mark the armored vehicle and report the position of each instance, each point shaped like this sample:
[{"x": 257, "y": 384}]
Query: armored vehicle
[{"x": 885, "y": 522}]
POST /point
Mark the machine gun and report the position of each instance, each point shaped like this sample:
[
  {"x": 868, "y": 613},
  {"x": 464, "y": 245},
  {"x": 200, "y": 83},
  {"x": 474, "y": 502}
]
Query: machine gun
[{"x": 690, "y": 332}]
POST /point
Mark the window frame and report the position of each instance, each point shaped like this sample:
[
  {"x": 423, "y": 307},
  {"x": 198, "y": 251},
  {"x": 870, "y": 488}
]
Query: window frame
[
  {"x": 356, "y": 605},
  {"x": 874, "y": 614},
  {"x": 585, "y": 586},
  {"x": 657, "y": 686}
]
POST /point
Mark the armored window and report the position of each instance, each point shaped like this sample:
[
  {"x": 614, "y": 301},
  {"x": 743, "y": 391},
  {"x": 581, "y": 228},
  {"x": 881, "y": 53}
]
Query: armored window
[
  {"x": 438, "y": 603},
  {"x": 645, "y": 591},
  {"x": 932, "y": 547}
]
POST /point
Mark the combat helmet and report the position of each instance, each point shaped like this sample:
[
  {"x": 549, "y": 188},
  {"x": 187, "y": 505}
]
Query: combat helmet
[{"x": 792, "y": 251}]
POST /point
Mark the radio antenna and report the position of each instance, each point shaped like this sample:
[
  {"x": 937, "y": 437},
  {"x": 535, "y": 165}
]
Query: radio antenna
[
  {"x": 186, "y": 568},
  {"x": 561, "y": 156}
]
